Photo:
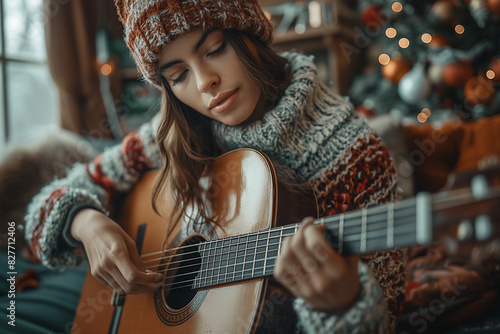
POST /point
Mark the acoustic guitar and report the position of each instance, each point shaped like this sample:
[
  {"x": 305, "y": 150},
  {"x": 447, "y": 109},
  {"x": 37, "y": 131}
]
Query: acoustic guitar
[{"x": 217, "y": 276}]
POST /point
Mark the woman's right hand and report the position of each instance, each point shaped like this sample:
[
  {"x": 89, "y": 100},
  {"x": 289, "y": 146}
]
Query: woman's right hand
[{"x": 112, "y": 254}]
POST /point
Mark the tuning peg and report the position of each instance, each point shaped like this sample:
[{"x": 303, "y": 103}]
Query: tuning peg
[
  {"x": 484, "y": 228},
  {"x": 479, "y": 186}
]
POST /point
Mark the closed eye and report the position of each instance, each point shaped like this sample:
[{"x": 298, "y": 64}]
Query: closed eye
[
  {"x": 218, "y": 50},
  {"x": 179, "y": 78}
]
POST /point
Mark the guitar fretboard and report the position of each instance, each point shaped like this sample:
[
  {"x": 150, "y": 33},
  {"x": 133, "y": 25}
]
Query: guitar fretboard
[{"x": 254, "y": 254}]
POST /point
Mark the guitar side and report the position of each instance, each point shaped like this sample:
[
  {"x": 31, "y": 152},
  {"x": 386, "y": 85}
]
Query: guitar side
[{"x": 244, "y": 197}]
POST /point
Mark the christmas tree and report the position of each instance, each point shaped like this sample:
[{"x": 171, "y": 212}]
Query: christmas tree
[{"x": 435, "y": 60}]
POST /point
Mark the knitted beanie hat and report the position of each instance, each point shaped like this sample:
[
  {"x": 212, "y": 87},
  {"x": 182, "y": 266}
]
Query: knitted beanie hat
[{"x": 151, "y": 24}]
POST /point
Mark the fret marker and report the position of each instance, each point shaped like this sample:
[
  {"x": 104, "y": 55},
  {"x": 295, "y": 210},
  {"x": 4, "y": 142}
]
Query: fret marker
[
  {"x": 362, "y": 246},
  {"x": 341, "y": 234},
  {"x": 390, "y": 225},
  {"x": 265, "y": 254},
  {"x": 424, "y": 217},
  {"x": 280, "y": 240}
]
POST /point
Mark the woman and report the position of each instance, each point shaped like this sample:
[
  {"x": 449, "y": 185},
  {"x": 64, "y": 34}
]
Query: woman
[{"x": 224, "y": 88}]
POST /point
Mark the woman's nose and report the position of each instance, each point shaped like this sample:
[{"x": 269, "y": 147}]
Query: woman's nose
[{"x": 206, "y": 80}]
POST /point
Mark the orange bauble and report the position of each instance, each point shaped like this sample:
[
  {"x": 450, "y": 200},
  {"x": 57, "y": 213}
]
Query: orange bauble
[
  {"x": 457, "y": 74},
  {"x": 494, "y": 6},
  {"x": 438, "y": 41},
  {"x": 479, "y": 90},
  {"x": 396, "y": 69},
  {"x": 444, "y": 10}
]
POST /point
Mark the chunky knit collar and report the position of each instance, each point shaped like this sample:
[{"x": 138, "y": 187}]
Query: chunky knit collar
[{"x": 304, "y": 120}]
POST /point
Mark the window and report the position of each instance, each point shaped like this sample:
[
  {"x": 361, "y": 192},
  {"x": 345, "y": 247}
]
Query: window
[{"x": 28, "y": 95}]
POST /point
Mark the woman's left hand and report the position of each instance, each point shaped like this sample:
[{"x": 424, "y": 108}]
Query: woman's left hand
[{"x": 309, "y": 268}]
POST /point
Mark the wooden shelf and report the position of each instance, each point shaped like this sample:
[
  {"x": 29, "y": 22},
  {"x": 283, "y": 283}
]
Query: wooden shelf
[
  {"x": 326, "y": 42},
  {"x": 292, "y": 36}
]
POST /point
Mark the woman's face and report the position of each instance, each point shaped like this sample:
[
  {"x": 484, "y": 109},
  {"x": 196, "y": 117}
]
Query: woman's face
[{"x": 205, "y": 73}]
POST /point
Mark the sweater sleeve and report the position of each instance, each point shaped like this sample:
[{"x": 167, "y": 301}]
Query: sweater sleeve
[
  {"x": 368, "y": 314},
  {"x": 92, "y": 185},
  {"x": 364, "y": 175}
]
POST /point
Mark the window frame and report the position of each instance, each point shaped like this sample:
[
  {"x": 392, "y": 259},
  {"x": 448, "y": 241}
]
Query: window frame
[{"x": 6, "y": 130}]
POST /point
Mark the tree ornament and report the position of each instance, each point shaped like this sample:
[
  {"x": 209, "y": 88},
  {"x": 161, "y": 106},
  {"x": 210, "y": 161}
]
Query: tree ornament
[
  {"x": 494, "y": 6},
  {"x": 364, "y": 111},
  {"x": 373, "y": 16},
  {"x": 479, "y": 91},
  {"x": 479, "y": 12},
  {"x": 438, "y": 41},
  {"x": 396, "y": 69},
  {"x": 435, "y": 74},
  {"x": 457, "y": 74},
  {"x": 414, "y": 86},
  {"x": 444, "y": 10}
]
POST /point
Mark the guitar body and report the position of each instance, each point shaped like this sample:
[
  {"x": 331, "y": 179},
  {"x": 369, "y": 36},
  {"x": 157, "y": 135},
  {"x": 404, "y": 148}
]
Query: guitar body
[{"x": 244, "y": 196}]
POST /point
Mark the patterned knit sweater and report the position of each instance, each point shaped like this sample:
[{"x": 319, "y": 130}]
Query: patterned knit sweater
[{"x": 312, "y": 132}]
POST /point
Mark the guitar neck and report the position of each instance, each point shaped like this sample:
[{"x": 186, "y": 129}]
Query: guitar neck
[{"x": 254, "y": 254}]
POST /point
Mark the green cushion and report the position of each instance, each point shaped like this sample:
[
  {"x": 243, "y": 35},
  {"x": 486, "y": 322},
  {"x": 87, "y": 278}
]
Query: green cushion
[{"x": 47, "y": 309}]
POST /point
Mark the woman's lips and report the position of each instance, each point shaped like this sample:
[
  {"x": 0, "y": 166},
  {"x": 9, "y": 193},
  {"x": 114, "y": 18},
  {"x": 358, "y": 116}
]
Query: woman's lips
[{"x": 223, "y": 101}]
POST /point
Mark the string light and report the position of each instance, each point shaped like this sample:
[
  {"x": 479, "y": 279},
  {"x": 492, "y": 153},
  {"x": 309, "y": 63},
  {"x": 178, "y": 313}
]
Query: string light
[
  {"x": 490, "y": 74},
  {"x": 422, "y": 118},
  {"x": 459, "y": 29},
  {"x": 426, "y": 38},
  {"x": 314, "y": 9},
  {"x": 404, "y": 43},
  {"x": 384, "y": 59},
  {"x": 391, "y": 32},
  {"x": 397, "y": 7},
  {"x": 106, "y": 69}
]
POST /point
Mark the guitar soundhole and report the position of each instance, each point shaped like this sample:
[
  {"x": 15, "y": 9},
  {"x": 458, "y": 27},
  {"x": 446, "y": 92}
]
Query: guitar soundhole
[
  {"x": 177, "y": 300},
  {"x": 181, "y": 274}
]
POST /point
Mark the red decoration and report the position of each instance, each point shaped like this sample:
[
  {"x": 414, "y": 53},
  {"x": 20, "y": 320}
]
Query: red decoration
[
  {"x": 28, "y": 279},
  {"x": 396, "y": 69},
  {"x": 457, "y": 74},
  {"x": 479, "y": 90},
  {"x": 373, "y": 16},
  {"x": 366, "y": 112}
]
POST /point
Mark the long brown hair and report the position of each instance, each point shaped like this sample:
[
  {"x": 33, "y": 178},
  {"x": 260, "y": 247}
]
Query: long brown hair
[{"x": 185, "y": 136}]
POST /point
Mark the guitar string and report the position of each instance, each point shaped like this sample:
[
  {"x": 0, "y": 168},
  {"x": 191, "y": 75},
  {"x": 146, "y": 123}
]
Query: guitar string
[
  {"x": 224, "y": 277},
  {"x": 225, "y": 266},
  {"x": 289, "y": 230},
  {"x": 349, "y": 222},
  {"x": 451, "y": 197},
  {"x": 243, "y": 272},
  {"x": 437, "y": 199},
  {"x": 349, "y": 216},
  {"x": 221, "y": 281}
]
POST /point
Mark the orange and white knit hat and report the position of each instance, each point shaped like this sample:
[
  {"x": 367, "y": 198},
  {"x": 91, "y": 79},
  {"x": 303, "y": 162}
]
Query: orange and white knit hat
[{"x": 151, "y": 24}]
